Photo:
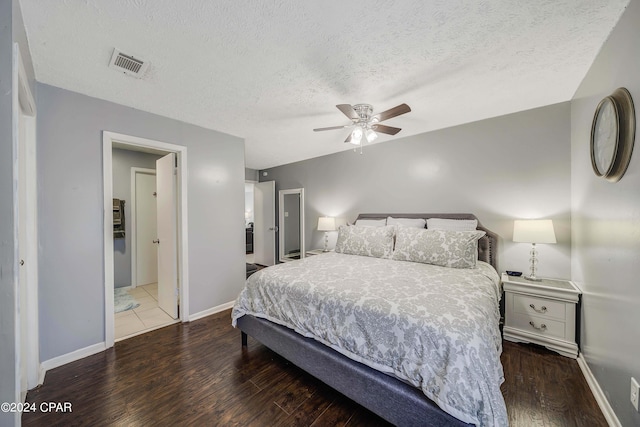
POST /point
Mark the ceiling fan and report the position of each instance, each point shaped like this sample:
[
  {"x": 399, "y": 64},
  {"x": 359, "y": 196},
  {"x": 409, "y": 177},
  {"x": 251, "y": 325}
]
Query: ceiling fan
[{"x": 365, "y": 124}]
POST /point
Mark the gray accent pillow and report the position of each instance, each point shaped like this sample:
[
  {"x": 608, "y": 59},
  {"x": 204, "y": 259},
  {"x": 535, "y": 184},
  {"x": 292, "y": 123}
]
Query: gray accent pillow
[
  {"x": 452, "y": 224},
  {"x": 406, "y": 222},
  {"x": 456, "y": 249},
  {"x": 371, "y": 222},
  {"x": 366, "y": 241}
]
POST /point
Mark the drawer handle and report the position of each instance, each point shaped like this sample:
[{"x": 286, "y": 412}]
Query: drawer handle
[
  {"x": 542, "y": 309},
  {"x": 542, "y": 327}
]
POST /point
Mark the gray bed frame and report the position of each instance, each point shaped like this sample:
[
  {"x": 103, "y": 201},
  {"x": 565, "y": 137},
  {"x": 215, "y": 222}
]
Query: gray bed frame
[{"x": 394, "y": 400}]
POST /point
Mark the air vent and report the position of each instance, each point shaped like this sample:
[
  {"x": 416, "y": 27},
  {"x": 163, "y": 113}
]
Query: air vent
[{"x": 127, "y": 64}]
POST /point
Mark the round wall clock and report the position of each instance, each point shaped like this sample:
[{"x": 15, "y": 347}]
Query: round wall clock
[{"x": 612, "y": 135}]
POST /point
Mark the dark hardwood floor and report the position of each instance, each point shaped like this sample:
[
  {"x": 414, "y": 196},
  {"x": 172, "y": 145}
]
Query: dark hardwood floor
[{"x": 198, "y": 374}]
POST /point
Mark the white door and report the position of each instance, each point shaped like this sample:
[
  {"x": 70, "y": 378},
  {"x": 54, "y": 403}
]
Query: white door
[
  {"x": 264, "y": 223},
  {"x": 27, "y": 341},
  {"x": 146, "y": 229},
  {"x": 167, "y": 236},
  {"x": 22, "y": 254}
]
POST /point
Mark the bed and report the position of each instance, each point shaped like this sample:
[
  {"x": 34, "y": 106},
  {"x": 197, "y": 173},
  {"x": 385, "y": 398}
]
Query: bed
[{"x": 312, "y": 312}]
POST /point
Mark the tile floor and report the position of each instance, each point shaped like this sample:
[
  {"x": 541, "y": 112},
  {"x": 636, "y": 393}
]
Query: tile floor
[{"x": 146, "y": 317}]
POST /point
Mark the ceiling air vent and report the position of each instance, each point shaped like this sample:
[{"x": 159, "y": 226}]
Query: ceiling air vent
[{"x": 128, "y": 64}]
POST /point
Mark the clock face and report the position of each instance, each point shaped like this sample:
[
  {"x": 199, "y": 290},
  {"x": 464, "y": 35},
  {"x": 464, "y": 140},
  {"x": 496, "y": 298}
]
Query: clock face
[{"x": 605, "y": 136}]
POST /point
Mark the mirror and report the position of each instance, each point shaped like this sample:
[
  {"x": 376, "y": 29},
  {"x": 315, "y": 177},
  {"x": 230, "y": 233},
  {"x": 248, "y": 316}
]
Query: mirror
[{"x": 291, "y": 213}]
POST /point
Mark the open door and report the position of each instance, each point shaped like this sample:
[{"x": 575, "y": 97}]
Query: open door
[
  {"x": 25, "y": 197},
  {"x": 264, "y": 223},
  {"x": 22, "y": 254},
  {"x": 167, "y": 239}
]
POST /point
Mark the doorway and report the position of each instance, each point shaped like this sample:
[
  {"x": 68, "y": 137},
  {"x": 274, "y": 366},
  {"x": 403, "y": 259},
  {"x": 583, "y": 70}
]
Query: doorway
[
  {"x": 249, "y": 220},
  {"x": 171, "y": 169},
  {"x": 137, "y": 303},
  {"x": 265, "y": 229}
]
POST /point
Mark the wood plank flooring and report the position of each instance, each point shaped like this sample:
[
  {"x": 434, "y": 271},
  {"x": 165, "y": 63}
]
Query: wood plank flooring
[{"x": 198, "y": 374}]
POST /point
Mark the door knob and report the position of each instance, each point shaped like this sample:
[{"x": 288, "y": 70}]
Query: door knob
[
  {"x": 273, "y": 228},
  {"x": 21, "y": 262},
  {"x": 157, "y": 241}
]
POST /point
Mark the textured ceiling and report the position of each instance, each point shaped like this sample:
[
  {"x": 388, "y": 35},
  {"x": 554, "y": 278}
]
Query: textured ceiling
[{"x": 271, "y": 71}]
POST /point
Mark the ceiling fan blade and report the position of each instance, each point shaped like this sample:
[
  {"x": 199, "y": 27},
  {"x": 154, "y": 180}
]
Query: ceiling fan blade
[
  {"x": 389, "y": 130},
  {"x": 348, "y": 138},
  {"x": 348, "y": 111},
  {"x": 392, "y": 112},
  {"x": 331, "y": 128}
]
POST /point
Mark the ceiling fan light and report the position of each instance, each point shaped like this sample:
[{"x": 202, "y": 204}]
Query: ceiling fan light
[
  {"x": 371, "y": 135},
  {"x": 356, "y": 136}
]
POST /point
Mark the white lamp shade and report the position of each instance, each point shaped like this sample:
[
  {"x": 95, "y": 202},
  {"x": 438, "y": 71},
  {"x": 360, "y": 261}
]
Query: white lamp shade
[
  {"x": 371, "y": 135},
  {"x": 533, "y": 231},
  {"x": 356, "y": 136},
  {"x": 326, "y": 223}
]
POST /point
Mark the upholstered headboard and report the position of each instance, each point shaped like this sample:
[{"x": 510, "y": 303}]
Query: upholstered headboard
[{"x": 487, "y": 245}]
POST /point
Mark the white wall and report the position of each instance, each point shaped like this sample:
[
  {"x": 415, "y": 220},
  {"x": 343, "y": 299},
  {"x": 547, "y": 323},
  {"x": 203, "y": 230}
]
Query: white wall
[
  {"x": 500, "y": 169},
  {"x": 70, "y": 204},
  {"x": 606, "y": 226},
  {"x": 123, "y": 161}
]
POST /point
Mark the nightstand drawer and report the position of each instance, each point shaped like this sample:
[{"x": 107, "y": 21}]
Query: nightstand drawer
[
  {"x": 537, "y": 325},
  {"x": 540, "y": 307}
]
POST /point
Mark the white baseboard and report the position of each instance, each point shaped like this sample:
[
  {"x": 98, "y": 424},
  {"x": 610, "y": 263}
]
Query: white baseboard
[
  {"x": 210, "y": 311},
  {"x": 41, "y": 375},
  {"x": 71, "y": 357},
  {"x": 603, "y": 403}
]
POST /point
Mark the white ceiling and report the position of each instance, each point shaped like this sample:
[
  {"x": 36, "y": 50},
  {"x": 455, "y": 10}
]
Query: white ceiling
[{"x": 270, "y": 71}]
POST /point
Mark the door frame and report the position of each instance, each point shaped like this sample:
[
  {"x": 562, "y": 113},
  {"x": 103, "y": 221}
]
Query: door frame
[
  {"x": 117, "y": 140},
  {"x": 133, "y": 221},
  {"x": 23, "y": 104},
  {"x": 281, "y": 228}
]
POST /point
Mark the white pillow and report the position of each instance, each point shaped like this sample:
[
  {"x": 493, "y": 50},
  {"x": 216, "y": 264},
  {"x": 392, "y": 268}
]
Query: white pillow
[
  {"x": 406, "y": 222},
  {"x": 452, "y": 224},
  {"x": 456, "y": 249},
  {"x": 366, "y": 241},
  {"x": 371, "y": 222}
]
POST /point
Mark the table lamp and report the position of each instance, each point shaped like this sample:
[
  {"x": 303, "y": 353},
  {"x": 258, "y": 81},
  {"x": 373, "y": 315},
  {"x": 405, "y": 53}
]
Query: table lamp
[
  {"x": 326, "y": 224},
  {"x": 533, "y": 231}
]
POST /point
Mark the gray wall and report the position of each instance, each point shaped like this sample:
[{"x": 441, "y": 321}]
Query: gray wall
[
  {"x": 606, "y": 226},
  {"x": 500, "y": 169},
  {"x": 11, "y": 30},
  {"x": 123, "y": 161},
  {"x": 70, "y": 201},
  {"x": 250, "y": 174}
]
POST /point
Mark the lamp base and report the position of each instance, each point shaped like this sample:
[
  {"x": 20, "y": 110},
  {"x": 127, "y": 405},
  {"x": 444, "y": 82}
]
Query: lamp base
[{"x": 533, "y": 278}]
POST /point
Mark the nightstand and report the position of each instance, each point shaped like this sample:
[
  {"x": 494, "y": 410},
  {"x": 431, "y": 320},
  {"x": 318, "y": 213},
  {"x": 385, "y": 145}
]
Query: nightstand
[
  {"x": 314, "y": 252},
  {"x": 541, "y": 313}
]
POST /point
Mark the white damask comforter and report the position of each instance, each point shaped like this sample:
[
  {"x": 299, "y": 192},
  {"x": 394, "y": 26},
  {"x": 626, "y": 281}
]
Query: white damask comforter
[{"x": 434, "y": 327}]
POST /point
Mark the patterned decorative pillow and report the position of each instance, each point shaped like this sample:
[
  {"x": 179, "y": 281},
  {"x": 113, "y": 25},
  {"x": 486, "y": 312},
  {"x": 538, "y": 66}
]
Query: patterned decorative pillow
[
  {"x": 452, "y": 224},
  {"x": 406, "y": 222},
  {"x": 456, "y": 249},
  {"x": 366, "y": 241}
]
